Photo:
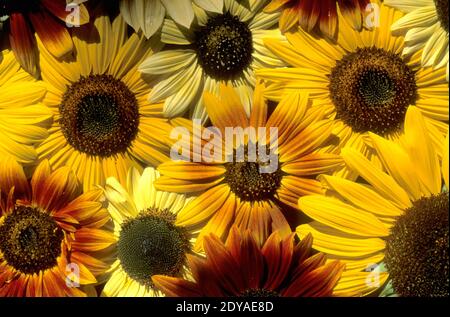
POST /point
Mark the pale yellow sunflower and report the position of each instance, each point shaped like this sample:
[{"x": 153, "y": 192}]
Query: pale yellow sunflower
[
  {"x": 425, "y": 26},
  {"x": 225, "y": 47},
  {"x": 148, "y": 240}
]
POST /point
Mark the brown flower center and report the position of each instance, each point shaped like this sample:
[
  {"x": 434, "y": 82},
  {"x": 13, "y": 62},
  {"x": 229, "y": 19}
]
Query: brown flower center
[
  {"x": 30, "y": 240},
  {"x": 224, "y": 47},
  {"x": 99, "y": 116},
  {"x": 417, "y": 249},
  {"x": 442, "y": 12},
  {"x": 249, "y": 182},
  {"x": 259, "y": 292},
  {"x": 371, "y": 90}
]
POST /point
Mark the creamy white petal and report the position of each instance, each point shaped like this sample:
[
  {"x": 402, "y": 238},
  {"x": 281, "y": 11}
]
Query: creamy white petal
[{"x": 180, "y": 11}]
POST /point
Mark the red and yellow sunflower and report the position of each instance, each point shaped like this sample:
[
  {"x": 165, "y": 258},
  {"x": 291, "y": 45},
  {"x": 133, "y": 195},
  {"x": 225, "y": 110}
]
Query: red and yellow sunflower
[
  {"x": 241, "y": 268},
  {"x": 314, "y": 15},
  {"x": 49, "y": 19},
  {"x": 50, "y": 234}
]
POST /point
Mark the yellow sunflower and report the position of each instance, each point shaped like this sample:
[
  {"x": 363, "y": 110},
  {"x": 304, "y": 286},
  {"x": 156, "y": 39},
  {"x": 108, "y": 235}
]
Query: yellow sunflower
[
  {"x": 361, "y": 81},
  {"x": 103, "y": 122},
  {"x": 219, "y": 47},
  {"x": 148, "y": 240},
  {"x": 425, "y": 26},
  {"x": 51, "y": 235},
  {"x": 24, "y": 120},
  {"x": 399, "y": 217},
  {"x": 241, "y": 191}
]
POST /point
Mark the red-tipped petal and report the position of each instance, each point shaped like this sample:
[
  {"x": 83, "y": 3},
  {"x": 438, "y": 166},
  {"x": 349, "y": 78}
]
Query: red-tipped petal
[
  {"x": 23, "y": 43},
  {"x": 52, "y": 33},
  {"x": 176, "y": 287}
]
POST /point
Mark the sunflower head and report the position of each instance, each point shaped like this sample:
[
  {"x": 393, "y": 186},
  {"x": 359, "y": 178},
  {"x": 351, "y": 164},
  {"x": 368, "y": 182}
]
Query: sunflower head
[
  {"x": 224, "y": 46},
  {"x": 241, "y": 268},
  {"x": 371, "y": 89},
  {"x": 99, "y": 116},
  {"x": 45, "y": 225},
  {"x": 417, "y": 249},
  {"x": 30, "y": 240},
  {"x": 151, "y": 244}
]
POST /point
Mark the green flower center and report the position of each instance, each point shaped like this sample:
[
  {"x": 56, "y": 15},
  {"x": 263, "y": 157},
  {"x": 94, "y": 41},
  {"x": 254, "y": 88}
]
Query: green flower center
[
  {"x": 371, "y": 90},
  {"x": 249, "y": 182},
  {"x": 417, "y": 249},
  {"x": 224, "y": 47},
  {"x": 442, "y": 12},
  {"x": 30, "y": 240},
  {"x": 259, "y": 292},
  {"x": 99, "y": 116},
  {"x": 151, "y": 244}
]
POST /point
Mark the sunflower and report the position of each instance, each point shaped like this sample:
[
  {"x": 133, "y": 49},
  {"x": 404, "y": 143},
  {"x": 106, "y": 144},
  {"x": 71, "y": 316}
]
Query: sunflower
[
  {"x": 23, "y": 119},
  {"x": 48, "y": 19},
  {"x": 49, "y": 230},
  {"x": 247, "y": 192},
  {"x": 400, "y": 216},
  {"x": 426, "y": 27},
  {"x": 148, "y": 240},
  {"x": 219, "y": 47},
  {"x": 361, "y": 82},
  {"x": 321, "y": 16},
  {"x": 148, "y": 15},
  {"x": 241, "y": 268},
  {"x": 103, "y": 122}
]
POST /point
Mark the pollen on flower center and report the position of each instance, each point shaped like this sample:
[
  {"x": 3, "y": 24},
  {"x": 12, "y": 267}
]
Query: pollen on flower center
[
  {"x": 30, "y": 240},
  {"x": 151, "y": 244},
  {"x": 371, "y": 90},
  {"x": 442, "y": 12},
  {"x": 417, "y": 249},
  {"x": 246, "y": 180},
  {"x": 224, "y": 47},
  {"x": 99, "y": 116}
]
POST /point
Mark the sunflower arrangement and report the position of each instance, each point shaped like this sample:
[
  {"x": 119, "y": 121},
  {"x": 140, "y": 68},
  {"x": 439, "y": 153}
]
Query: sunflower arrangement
[{"x": 224, "y": 148}]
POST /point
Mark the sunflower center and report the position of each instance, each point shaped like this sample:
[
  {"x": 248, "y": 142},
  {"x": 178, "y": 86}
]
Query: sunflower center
[
  {"x": 371, "y": 90},
  {"x": 99, "y": 116},
  {"x": 248, "y": 181},
  {"x": 259, "y": 292},
  {"x": 417, "y": 249},
  {"x": 151, "y": 244},
  {"x": 224, "y": 47},
  {"x": 442, "y": 12},
  {"x": 12, "y": 6},
  {"x": 30, "y": 240}
]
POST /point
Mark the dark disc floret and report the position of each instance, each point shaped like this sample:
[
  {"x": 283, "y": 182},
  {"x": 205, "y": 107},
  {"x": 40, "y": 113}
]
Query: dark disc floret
[
  {"x": 371, "y": 90},
  {"x": 442, "y": 13},
  {"x": 152, "y": 244},
  {"x": 99, "y": 116},
  {"x": 30, "y": 240},
  {"x": 259, "y": 292},
  {"x": 247, "y": 181},
  {"x": 417, "y": 249},
  {"x": 224, "y": 46}
]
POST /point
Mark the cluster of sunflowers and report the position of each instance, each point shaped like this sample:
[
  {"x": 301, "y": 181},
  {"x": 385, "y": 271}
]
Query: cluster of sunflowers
[{"x": 91, "y": 203}]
